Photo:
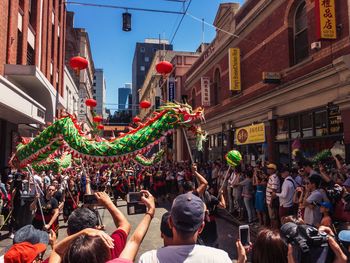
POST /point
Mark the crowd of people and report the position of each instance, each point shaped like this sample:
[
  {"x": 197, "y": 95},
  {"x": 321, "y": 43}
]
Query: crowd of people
[{"x": 284, "y": 204}]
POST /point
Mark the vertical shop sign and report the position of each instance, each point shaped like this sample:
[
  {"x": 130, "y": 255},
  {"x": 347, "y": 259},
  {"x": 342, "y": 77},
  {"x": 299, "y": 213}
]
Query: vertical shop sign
[
  {"x": 205, "y": 91},
  {"x": 171, "y": 89},
  {"x": 82, "y": 106},
  {"x": 234, "y": 55},
  {"x": 325, "y": 17}
]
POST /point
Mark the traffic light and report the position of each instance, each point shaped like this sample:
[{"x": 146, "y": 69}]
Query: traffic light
[{"x": 126, "y": 22}]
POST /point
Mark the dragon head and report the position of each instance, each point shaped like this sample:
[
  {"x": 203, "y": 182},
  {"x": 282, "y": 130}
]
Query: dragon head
[{"x": 184, "y": 113}]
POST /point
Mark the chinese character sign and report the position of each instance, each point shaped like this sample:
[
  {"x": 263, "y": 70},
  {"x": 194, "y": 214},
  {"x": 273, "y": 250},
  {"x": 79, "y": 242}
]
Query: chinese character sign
[
  {"x": 325, "y": 17},
  {"x": 235, "y": 68},
  {"x": 250, "y": 134},
  {"x": 205, "y": 91},
  {"x": 171, "y": 89}
]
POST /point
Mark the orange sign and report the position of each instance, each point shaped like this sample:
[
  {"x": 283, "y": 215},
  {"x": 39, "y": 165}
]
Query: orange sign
[{"x": 325, "y": 17}]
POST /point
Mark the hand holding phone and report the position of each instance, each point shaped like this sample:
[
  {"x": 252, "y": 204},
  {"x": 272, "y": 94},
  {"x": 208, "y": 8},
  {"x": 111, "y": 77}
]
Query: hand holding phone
[{"x": 244, "y": 235}]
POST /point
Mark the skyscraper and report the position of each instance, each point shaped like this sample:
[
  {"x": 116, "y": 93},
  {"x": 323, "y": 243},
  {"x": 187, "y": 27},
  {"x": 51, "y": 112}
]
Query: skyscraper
[
  {"x": 143, "y": 56},
  {"x": 99, "y": 92},
  {"x": 123, "y": 96}
]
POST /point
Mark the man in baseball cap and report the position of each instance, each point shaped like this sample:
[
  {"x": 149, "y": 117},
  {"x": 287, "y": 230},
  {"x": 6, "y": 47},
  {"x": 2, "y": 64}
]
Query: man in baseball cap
[
  {"x": 186, "y": 222},
  {"x": 25, "y": 252}
]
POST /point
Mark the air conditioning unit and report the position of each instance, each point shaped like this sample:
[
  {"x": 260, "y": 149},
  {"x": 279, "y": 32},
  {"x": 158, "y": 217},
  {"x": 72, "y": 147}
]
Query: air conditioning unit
[{"x": 316, "y": 45}]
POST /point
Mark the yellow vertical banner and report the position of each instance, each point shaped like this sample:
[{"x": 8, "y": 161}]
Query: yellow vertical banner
[
  {"x": 325, "y": 17},
  {"x": 234, "y": 56}
]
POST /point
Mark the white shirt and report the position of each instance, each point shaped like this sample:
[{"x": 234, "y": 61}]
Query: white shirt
[
  {"x": 186, "y": 254},
  {"x": 273, "y": 184},
  {"x": 288, "y": 189}
]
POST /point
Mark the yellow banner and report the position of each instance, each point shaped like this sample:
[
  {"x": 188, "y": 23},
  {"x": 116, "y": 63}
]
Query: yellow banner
[
  {"x": 327, "y": 27},
  {"x": 234, "y": 55},
  {"x": 250, "y": 134}
]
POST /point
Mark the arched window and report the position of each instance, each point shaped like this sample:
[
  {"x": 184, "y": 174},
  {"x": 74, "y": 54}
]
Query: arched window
[
  {"x": 217, "y": 87},
  {"x": 300, "y": 38},
  {"x": 193, "y": 101}
]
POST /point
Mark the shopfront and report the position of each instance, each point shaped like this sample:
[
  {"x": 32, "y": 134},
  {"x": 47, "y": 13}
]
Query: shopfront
[
  {"x": 317, "y": 130},
  {"x": 251, "y": 142}
]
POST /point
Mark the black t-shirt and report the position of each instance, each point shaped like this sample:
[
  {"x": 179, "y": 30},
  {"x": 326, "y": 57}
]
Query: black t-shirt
[
  {"x": 48, "y": 206},
  {"x": 58, "y": 196}
]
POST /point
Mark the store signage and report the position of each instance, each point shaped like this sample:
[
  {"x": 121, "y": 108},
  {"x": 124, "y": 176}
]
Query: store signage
[
  {"x": 234, "y": 55},
  {"x": 250, "y": 134},
  {"x": 205, "y": 91},
  {"x": 171, "y": 89},
  {"x": 82, "y": 106},
  {"x": 334, "y": 119},
  {"x": 325, "y": 17},
  {"x": 271, "y": 77}
]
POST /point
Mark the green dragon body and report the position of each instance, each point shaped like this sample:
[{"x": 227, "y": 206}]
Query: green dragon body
[{"x": 64, "y": 134}]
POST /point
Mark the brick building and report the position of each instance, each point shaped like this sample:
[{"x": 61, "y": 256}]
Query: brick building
[
  {"x": 304, "y": 95},
  {"x": 31, "y": 67}
]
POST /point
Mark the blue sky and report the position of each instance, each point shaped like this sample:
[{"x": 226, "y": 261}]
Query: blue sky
[{"x": 113, "y": 49}]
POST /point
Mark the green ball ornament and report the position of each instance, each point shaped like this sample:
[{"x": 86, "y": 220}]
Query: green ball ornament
[{"x": 233, "y": 158}]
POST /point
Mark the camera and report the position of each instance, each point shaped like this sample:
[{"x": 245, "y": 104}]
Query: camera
[
  {"x": 303, "y": 236},
  {"x": 134, "y": 206}
]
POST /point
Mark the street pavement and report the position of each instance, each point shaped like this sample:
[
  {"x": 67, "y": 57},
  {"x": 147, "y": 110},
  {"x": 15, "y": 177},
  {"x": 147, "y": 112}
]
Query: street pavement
[{"x": 227, "y": 230}]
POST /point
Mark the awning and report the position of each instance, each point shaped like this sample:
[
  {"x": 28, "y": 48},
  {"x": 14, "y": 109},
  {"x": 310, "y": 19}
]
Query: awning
[
  {"x": 33, "y": 82},
  {"x": 18, "y": 107}
]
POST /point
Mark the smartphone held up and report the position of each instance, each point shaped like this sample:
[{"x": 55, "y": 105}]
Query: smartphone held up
[
  {"x": 134, "y": 204},
  {"x": 244, "y": 235}
]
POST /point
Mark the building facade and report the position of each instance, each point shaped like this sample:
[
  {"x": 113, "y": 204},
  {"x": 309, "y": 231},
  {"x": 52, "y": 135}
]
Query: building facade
[
  {"x": 71, "y": 93},
  {"x": 143, "y": 57},
  {"x": 78, "y": 44},
  {"x": 157, "y": 89},
  {"x": 99, "y": 93},
  {"x": 32, "y": 48},
  {"x": 289, "y": 83}
]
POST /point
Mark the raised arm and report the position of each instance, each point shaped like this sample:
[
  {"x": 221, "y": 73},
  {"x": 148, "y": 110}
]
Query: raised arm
[
  {"x": 202, "y": 182},
  {"x": 133, "y": 244},
  {"x": 120, "y": 220}
]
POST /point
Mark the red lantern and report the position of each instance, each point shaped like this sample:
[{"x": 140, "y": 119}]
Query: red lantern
[
  {"x": 145, "y": 104},
  {"x": 164, "y": 67},
  {"x": 98, "y": 119},
  {"x": 100, "y": 127},
  {"x": 91, "y": 103},
  {"x": 136, "y": 119},
  {"x": 78, "y": 63}
]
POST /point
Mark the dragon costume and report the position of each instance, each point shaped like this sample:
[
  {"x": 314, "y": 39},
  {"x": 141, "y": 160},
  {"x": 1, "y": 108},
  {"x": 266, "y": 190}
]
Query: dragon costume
[{"x": 65, "y": 135}]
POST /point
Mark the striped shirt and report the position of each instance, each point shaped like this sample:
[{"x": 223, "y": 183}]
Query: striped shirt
[{"x": 273, "y": 184}]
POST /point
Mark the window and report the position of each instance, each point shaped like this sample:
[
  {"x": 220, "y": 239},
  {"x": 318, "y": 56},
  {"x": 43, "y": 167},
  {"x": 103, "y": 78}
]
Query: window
[
  {"x": 306, "y": 124},
  {"x": 294, "y": 127},
  {"x": 146, "y": 59},
  {"x": 142, "y": 68},
  {"x": 217, "y": 87},
  {"x": 321, "y": 123},
  {"x": 301, "y": 43},
  {"x": 19, "y": 47},
  {"x": 30, "y": 55},
  {"x": 142, "y": 49},
  {"x": 32, "y": 13}
]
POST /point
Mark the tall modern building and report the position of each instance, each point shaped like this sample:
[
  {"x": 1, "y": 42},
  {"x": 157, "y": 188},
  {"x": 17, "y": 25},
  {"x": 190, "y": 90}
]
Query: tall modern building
[
  {"x": 99, "y": 92},
  {"x": 143, "y": 56},
  {"x": 123, "y": 97}
]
